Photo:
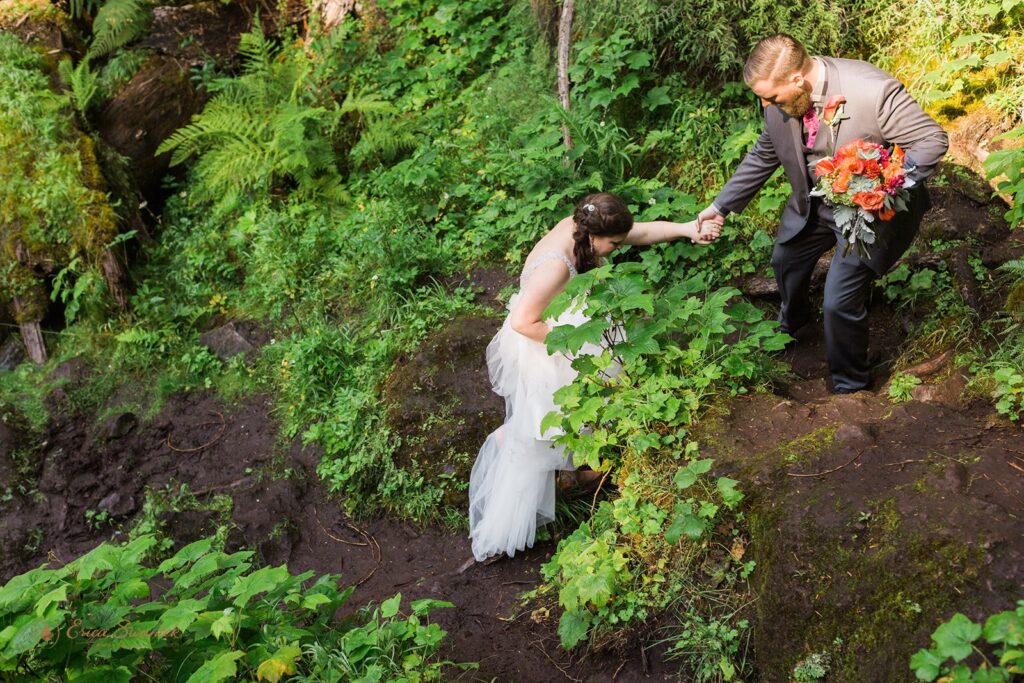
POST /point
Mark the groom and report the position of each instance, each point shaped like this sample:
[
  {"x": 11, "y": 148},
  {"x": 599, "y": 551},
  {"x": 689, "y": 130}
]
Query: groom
[{"x": 794, "y": 88}]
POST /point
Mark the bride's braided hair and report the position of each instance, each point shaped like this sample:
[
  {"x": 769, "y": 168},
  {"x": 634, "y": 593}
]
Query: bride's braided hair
[{"x": 599, "y": 215}]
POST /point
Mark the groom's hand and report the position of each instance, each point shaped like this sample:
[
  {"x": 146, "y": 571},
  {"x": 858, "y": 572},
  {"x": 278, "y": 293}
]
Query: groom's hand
[{"x": 710, "y": 217}]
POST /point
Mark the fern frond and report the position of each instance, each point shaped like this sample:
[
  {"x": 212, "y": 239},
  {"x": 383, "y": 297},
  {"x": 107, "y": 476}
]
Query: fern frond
[
  {"x": 84, "y": 84},
  {"x": 226, "y": 117},
  {"x": 117, "y": 23},
  {"x": 383, "y": 138},
  {"x": 1014, "y": 267}
]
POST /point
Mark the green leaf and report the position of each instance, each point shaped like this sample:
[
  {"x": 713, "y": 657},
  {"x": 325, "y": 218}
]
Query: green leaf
[
  {"x": 639, "y": 59},
  {"x": 426, "y": 605},
  {"x": 656, "y": 97},
  {"x": 59, "y": 594},
  {"x": 315, "y": 600},
  {"x": 1005, "y": 627},
  {"x": 225, "y": 624},
  {"x": 922, "y": 279},
  {"x": 573, "y": 627},
  {"x": 925, "y": 665},
  {"x": 1000, "y": 57},
  {"x": 217, "y": 669},
  {"x": 727, "y": 489},
  {"x": 27, "y": 637},
  {"x": 687, "y": 476},
  {"x": 260, "y": 581},
  {"x": 280, "y": 664},
  {"x": 104, "y": 674},
  {"x": 190, "y": 553},
  {"x": 552, "y": 420},
  {"x": 389, "y": 607},
  {"x": 953, "y": 639},
  {"x": 181, "y": 615},
  {"x": 684, "y": 523},
  {"x": 569, "y": 338}
]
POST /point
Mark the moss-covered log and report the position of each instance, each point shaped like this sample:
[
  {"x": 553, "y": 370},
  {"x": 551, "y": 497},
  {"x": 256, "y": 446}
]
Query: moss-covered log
[{"x": 57, "y": 223}]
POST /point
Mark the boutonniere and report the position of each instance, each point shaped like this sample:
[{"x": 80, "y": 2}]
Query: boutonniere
[{"x": 833, "y": 115}]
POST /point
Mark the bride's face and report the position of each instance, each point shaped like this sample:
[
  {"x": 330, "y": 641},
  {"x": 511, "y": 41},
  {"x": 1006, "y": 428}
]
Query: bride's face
[{"x": 604, "y": 246}]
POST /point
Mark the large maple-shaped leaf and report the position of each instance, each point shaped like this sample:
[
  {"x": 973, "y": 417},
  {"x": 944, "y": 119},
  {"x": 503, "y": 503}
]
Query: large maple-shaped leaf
[{"x": 570, "y": 339}]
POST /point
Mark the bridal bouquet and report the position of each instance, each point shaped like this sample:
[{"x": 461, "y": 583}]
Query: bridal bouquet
[{"x": 863, "y": 183}]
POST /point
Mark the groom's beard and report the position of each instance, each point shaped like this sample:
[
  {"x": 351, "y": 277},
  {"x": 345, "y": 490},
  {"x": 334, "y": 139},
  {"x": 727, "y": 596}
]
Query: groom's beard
[{"x": 798, "y": 106}]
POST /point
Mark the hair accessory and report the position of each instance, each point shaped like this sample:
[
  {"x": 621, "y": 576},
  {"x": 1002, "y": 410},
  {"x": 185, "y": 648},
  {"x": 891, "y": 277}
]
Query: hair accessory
[{"x": 590, "y": 207}]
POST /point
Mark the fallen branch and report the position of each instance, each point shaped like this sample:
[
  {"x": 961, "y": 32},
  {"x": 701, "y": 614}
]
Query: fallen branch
[
  {"x": 929, "y": 367},
  {"x": 211, "y": 489},
  {"x": 593, "y": 503},
  {"x": 822, "y": 474},
  {"x": 564, "y": 672},
  {"x": 223, "y": 426},
  {"x": 332, "y": 536}
]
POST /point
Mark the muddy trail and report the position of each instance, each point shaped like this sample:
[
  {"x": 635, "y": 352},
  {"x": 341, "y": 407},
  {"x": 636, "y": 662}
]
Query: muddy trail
[{"x": 870, "y": 522}]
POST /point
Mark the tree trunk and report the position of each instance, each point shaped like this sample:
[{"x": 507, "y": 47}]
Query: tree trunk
[
  {"x": 564, "y": 45},
  {"x": 116, "y": 275},
  {"x": 333, "y": 12},
  {"x": 32, "y": 335}
]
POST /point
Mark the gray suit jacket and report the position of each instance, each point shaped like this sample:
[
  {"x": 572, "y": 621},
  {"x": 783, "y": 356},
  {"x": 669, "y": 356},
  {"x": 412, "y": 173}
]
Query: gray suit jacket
[{"x": 881, "y": 111}]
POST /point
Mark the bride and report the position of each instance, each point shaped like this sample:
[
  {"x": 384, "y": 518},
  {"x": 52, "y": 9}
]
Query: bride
[{"x": 511, "y": 487}]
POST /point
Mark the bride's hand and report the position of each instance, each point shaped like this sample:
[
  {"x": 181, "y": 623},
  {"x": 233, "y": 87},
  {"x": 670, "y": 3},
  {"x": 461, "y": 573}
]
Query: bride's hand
[{"x": 702, "y": 232}]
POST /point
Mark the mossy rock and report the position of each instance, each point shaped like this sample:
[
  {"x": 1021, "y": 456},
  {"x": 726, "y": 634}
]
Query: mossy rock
[
  {"x": 41, "y": 23},
  {"x": 441, "y": 404}
]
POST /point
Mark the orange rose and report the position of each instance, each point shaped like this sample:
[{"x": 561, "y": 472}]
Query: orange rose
[
  {"x": 872, "y": 169},
  {"x": 886, "y": 214},
  {"x": 842, "y": 183},
  {"x": 824, "y": 167},
  {"x": 870, "y": 201}
]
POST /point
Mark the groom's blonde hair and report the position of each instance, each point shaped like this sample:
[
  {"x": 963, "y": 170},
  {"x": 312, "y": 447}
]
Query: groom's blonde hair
[{"x": 774, "y": 58}]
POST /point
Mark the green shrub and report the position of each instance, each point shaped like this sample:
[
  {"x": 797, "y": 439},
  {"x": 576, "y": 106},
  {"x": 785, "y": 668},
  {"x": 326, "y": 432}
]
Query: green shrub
[
  {"x": 959, "y": 638},
  {"x": 100, "y": 618}
]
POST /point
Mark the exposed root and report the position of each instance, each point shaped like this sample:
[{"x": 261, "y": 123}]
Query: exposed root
[
  {"x": 822, "y": 474},
  {"x": 223, "y": 426}
]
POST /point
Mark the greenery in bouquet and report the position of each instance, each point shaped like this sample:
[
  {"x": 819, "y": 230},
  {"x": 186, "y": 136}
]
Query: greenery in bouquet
[{"x": 864, "y": 184}]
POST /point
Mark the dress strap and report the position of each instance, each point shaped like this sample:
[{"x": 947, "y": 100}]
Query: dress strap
[{"x": 543, "y": 257}]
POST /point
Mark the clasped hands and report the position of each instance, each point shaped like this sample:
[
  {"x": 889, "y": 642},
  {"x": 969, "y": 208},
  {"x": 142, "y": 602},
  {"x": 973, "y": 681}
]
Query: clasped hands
[{"x": 709, "y": 226}]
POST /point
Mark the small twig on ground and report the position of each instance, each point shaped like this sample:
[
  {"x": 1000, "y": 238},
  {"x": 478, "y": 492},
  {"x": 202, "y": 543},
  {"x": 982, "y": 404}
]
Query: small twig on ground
[
  {"x": 557, "y": 666},
  {"x": 616, "y": 674},
  {"x": 901, "y": 463},
  {"x": 223, "y": 426},
  {"x": 516, "y": 583},
  {"x": 1015, "y": 466},
  {"x": 370, "y": 540},
  {"x": 593, "y": 503},
  {"x": 211, "y": 489},
  {"x": 332, "y": 536},
  {"x": 821, "y": 474},
  {"x": 643, "y": 659}
]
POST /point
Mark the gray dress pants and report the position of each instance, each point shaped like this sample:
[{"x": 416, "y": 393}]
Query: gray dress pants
[{"x": 845, "y": 306}]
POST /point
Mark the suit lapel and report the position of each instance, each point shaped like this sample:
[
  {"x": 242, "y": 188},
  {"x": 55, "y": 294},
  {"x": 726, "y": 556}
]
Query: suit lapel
[
  {"x": 834, "y": 88},
  {"x": 797, "y": 154}
]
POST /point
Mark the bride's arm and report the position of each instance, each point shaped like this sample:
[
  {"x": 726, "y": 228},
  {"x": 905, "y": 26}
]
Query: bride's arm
[
  {"x": 546, "y": 282},
  {"x": 653, "y": 232}
]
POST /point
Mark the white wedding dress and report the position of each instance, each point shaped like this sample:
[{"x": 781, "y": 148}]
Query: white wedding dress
[{"x": 512, "y": 485}]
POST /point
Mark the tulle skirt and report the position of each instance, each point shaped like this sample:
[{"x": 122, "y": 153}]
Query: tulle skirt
[{"x": 512, "y": 484}]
